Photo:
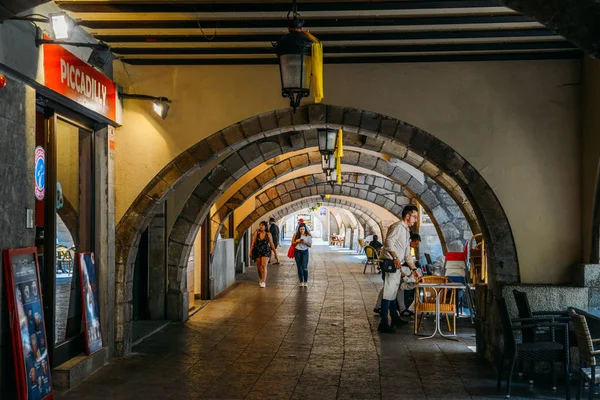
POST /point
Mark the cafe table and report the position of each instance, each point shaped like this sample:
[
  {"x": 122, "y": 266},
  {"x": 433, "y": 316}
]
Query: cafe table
[{"x": 438, "y": 287}]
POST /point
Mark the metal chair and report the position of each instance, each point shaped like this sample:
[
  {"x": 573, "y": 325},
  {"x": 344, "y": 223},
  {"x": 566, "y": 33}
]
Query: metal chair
[
  {"x": 587, "y": 355},
  {"x": 372, "y": 259},
  {"x": 548, "y": 351},
  {"x": 425, "y": 301},
  {"x": 524, "y": 310}
]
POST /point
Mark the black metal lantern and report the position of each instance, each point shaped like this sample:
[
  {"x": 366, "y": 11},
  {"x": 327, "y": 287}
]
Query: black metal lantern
[
  {"x": 294, "y": 52},
  {"x": 326, "y": 140},
  {"x": 332, "y": 177},
  {"x": 327, "y": 162}
]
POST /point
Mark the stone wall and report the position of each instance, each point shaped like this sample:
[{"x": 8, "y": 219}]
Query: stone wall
[{"x": 17, "y": 138}]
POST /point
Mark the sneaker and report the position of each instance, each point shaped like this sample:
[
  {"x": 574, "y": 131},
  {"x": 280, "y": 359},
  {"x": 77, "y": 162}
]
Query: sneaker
[
  {"x": 407, "y": 313},
  {"x": 301, "y": 284},
  {"x": 377, "y": 310},
  {"x": 397, "y": 323},
  {"x": 305, "y": 284},
  {"x": 263, "y": 284},
  {"x": 385, "y": 329}
]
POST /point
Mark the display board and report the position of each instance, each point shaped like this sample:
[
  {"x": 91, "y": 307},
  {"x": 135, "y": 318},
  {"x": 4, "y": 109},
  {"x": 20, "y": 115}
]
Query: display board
[
  {"x": 26, "y": 314},
  {"x": 89, "y": 300}
]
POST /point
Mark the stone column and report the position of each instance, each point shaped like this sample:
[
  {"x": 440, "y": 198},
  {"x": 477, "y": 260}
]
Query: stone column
[
  {"x": 105, "y": 232},
  {"x": 157, "y": 265},
  {"x": 17, "y": 135}
]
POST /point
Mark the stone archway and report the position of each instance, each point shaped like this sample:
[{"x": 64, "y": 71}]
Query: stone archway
[
  {"x": 362, "y": 214},
  {"x": 392, "y": 200},
  {"x": 435, "y": 200},
  {"x": 273, "y": 133}
]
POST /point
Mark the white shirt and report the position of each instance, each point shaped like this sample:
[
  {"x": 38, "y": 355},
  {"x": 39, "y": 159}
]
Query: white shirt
[
  {"x": 303, "y": 246},
  {"x": 398, "y": 241}
]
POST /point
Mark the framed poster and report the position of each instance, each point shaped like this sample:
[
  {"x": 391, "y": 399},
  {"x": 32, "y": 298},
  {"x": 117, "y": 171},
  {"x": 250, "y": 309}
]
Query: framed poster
[
  {"x": 28, "y": 331},
  {"x": 89, "y": 302}
]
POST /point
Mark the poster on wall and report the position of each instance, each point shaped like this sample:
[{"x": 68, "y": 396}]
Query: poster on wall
[
  {"x": 89, "y": 300},
  {"x": 28, "y": 331}
]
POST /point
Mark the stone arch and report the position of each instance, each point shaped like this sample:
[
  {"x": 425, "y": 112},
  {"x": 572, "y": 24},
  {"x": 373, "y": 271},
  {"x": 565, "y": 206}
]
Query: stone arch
[
  {"x": 381, "y": 191},
  {"x": 297, "y": 195},
  {"x": 434, "y": 199},
  {"x": 314, "y": 185},
  {"x": 218, "y": 181},
  {"x": 361, "y": 213},
  {"x": 273, "y": 133}
]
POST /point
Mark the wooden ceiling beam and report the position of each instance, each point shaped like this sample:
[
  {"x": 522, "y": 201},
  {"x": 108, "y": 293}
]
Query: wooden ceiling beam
[
  {"x": 180, "y": 6},
  {"x": 330, "y": 36}
]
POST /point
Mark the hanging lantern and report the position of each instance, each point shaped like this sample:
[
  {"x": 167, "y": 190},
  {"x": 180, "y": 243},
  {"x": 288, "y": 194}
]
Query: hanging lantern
[
  {"x": 331, "y": 177},
  {"x": 294, "y": 52},
  {"x": 326, "y": 140},
  {"x": 327, "y": 162}
]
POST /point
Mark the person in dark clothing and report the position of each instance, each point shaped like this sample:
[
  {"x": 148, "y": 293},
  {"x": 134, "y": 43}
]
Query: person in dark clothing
[
  {"x": 376, "y": 244},
  {"x": 260, "y": 250},
  {"x": 274, "y": 230}
]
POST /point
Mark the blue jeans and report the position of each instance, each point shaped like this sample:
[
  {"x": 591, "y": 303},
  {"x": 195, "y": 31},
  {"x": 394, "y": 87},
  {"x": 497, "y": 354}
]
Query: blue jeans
[
  {"x": 301, "y": 257},
  {"x": 388, "y": 306}
]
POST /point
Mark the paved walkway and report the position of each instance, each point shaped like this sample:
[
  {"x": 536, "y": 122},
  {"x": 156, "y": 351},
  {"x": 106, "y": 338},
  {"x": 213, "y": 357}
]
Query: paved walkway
[{"x": 287, "y": 342}]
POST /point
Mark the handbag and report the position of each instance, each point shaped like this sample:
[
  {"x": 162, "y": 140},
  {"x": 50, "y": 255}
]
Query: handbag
[
  {"x": 291, "y": 251},
  {"x": 388, "y": 266}
]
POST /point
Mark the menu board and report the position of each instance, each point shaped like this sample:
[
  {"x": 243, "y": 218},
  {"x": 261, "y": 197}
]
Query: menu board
[
  {"x": 89, "y": 299},
  {"x": 26, "y": 313}
]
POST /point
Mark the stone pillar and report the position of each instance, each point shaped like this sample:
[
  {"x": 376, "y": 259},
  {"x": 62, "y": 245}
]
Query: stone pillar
[
  {"x": 17, "y": 135},
  {"x": 157, "y": 265},
  {"x": 105, "y": 232}
]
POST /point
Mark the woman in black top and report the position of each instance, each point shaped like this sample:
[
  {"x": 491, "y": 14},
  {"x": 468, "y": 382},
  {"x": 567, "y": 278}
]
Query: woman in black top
[{"x": 260, "y": 250}]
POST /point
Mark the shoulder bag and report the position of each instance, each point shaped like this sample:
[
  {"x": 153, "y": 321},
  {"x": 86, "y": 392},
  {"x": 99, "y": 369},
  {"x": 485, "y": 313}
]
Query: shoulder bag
[
  {"x": 388, "y": 266},
  {"x": 292, "y": 249}
]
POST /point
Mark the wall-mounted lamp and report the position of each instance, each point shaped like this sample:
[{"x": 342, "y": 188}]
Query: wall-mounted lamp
[
  {"x": 161, "y": 104},
  {"x": 60, "y": 25}
]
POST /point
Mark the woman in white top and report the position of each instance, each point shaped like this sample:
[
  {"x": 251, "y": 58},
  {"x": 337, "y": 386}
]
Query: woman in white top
[{"x": 302, "y": 241}]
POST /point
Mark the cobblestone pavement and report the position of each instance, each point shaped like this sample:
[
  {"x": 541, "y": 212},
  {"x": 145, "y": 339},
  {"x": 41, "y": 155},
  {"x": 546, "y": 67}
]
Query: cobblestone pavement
[{"x": 288, "y": 342}]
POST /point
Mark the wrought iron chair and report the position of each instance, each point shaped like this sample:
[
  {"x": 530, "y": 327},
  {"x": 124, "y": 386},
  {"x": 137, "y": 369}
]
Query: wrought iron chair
[
  {"x": 372, "y": 259},
  {"x": 587, "y": 355},
  {"x": 548, "y": 351}
]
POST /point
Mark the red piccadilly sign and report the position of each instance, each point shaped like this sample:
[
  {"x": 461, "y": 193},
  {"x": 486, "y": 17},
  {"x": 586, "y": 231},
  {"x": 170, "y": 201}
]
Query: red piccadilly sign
[{"x": 68, "y": 75}]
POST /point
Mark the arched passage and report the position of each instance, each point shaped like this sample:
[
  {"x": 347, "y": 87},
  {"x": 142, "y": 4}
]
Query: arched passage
[
  {"x": 266, "y": 135},
  {"x": 434, "y": 198},
  {"x": 362, "y": 214},
  {"x": 371, "y": 188}
]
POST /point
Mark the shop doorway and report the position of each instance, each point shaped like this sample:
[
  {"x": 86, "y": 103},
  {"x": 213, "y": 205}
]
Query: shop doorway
[{"x": 64, "y": 222}]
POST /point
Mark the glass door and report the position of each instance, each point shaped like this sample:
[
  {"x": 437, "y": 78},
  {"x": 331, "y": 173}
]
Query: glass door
[{"x": 68, "y": 226}]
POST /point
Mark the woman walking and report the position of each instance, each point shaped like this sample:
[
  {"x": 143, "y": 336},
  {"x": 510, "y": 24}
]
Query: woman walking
[
  {"x": 302, "y": 241},
  {"x": 262, "y": 244}
]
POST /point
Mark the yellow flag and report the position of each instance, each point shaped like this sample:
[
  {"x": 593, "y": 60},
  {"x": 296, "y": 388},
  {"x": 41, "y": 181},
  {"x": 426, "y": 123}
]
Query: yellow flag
[
  {"x": 339, "y": 153},
  {"x": 317, "y": 67}
]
